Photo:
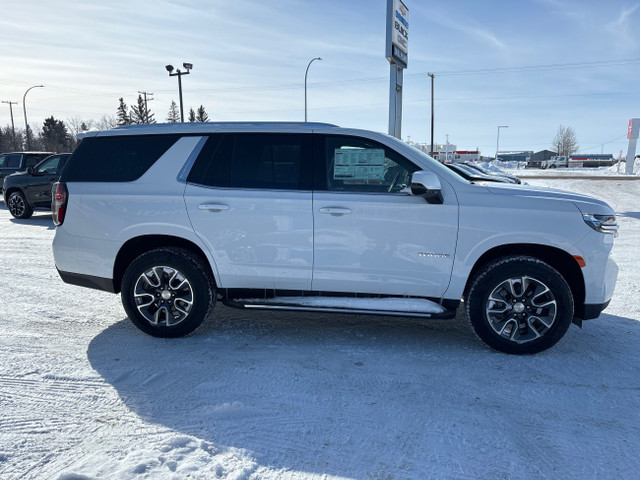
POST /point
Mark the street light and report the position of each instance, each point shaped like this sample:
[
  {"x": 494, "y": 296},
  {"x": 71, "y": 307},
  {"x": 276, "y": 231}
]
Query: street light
[
  {"x": 187, "y": 66},
  {"x": 24, "y": 108},
  {"x": 498, "y": 139},
  {"x": 305, "y": 86}
]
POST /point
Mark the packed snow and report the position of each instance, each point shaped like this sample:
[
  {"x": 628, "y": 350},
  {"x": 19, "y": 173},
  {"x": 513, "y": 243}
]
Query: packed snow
[{"x": 284, "y": 395}]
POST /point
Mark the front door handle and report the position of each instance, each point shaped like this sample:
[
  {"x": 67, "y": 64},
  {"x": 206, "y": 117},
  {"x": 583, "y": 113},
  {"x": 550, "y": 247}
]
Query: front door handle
[
  {"x": 335, "y": 211},
  {"x": 213, "y": 207}
]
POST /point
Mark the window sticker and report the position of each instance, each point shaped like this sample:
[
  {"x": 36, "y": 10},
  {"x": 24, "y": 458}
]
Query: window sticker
[{"x": 359, "y": 165}]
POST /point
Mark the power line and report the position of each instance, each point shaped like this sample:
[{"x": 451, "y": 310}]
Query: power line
[{"x": 337, "y": 83}]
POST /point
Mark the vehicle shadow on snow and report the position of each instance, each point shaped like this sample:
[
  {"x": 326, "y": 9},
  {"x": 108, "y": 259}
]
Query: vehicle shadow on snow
[
  {"x": 362, "y": 396},
  {"x": 635, "y": 215},
  {"x": 38, "y": 219}
]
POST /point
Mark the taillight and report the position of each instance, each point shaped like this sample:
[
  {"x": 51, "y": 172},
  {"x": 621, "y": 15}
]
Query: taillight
[{"x": 59, "y": 197}]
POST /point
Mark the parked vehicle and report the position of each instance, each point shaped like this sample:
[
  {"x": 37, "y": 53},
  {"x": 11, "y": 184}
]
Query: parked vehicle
[
  {"x": 555, "y": 162},
  {"x": 19, "y": 162},
  {"x": 508, "y": 177},
  {"x": 310, "y": 216},
  {"x": 26, "y": 191},
  {"x": 473, "y": 175}
]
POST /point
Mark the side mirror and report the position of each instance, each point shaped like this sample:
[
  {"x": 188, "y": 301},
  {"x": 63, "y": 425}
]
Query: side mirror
[
  {"x": 30, "y": 170},
  {"x": 426, "y": 184}
]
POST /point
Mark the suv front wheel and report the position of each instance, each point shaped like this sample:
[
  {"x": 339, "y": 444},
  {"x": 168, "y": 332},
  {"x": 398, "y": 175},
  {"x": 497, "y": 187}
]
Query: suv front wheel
[
  {"x": 519, "y": 305},
  {"x": 168, "y": 292}
]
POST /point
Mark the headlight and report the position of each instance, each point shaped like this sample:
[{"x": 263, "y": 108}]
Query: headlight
[{"x": 601, "y": 223}]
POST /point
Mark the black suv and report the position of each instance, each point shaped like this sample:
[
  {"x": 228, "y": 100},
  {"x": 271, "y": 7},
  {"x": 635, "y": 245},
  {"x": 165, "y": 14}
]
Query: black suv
[
  {"x": 25, "y": 191},
  {"x": 19, "y": 162}
]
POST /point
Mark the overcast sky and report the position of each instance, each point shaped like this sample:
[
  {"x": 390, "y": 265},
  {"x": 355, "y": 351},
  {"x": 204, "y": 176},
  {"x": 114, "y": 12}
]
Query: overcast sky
[{"x": 530, "y": 64}]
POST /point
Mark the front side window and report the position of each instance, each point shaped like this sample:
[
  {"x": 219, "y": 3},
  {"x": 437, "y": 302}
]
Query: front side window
[
  {"x": 49, "y": 166},
  {"x": 359, "y": 165}
]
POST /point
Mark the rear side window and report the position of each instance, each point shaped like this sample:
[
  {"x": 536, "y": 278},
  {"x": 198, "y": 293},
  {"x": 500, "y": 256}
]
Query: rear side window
[
  {"x": 13, "y": 161},
  {"x": 115, "y": 159},
  {"x": 248, "y": 160}
]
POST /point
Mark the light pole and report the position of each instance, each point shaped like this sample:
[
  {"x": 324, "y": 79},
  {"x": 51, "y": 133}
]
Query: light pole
[
  {"x": 305, "y": 86},
  {"x": 498, "y": 139},
  {"x": 187, "y": 66},
  {"x": 432, "y": 77},
  {"x": 24, "y": 109}
]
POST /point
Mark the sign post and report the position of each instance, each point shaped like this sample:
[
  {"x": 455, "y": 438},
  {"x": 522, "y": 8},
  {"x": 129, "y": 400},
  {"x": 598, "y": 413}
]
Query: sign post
[
  {"x": 632, "y": 135},
  {"x": 397, "y": 54}
]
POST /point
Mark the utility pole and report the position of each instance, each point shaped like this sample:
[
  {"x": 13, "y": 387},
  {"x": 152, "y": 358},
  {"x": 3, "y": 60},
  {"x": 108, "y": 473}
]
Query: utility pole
[
  {"x": 13, "y": 128},
  {"x": 146, "y": 108},
  {"x": 432, "y": 76}
]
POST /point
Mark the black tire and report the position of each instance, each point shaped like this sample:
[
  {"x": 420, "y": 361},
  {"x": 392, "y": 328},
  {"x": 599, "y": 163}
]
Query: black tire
[
  {"x": 18, "y": 205},
  {"x": 519, "y": 305},
  {"x": 168, "y": 292}
]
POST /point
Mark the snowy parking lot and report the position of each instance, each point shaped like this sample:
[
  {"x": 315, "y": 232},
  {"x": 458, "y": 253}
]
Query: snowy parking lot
[{"x": 255, "y": 395}]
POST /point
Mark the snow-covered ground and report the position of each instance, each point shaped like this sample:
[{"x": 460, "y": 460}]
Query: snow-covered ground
[{"x": 255, "y": 395}]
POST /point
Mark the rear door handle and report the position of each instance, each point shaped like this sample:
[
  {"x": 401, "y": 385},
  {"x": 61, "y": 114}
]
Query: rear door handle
[
  {"x": 213, "y": 207},
  {"x": 335, "y": 210}
]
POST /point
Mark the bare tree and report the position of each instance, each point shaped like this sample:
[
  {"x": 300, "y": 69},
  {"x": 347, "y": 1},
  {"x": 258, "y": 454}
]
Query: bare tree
[
  {"x": 77, "y": 125},
  {"x": 106, "y": 122},
  {"x": 565, "y": 142}
]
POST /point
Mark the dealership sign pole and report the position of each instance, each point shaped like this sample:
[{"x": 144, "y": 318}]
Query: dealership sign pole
[
  {"x": 397, "y": 54},
  {"x": 632, "y": 135}
]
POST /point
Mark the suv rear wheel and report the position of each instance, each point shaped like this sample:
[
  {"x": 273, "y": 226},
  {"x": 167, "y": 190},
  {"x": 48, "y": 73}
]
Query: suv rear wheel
[
  {"x": 168, "y": 292},
  {"x": 18, "y": 206},
  {"x": 519, "y": 305}
]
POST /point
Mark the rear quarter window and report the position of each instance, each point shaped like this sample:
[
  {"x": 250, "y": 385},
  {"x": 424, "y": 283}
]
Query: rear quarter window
[{"x": 115, "y": 159}]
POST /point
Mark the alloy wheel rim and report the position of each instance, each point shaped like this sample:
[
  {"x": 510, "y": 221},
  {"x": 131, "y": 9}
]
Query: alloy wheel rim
[
  {"x": 163, "y": 296},
  {"x": 16, "y": 205},
  {"x": 521, "y": 309}
]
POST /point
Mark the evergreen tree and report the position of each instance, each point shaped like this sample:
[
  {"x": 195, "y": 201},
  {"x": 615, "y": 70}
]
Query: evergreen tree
[
  {"x": 123, "y": 114},
  {"x": 140, "y": 113},
  {"x": 54, "y": 136},
  {"x": 192, "y": 116},
  {"x": 202, "y": 116},
  {"x": 174, "y": 114}
]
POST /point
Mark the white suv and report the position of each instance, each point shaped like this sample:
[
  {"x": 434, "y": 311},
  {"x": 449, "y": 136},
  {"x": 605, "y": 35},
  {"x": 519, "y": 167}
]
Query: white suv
[{"x": 311, "y": 216}]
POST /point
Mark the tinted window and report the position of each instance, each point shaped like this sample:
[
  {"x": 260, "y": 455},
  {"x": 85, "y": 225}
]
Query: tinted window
[
  {"x": 13, "y": 161},
  {"x": 354, "y": 164},
  {"x": 3, "y": 160},
  {"x": 49, "y": 166},
  {"x": 32, "y": 160},
  {"x": 272, "y": 161},
  {"x": 115, "y": 159}
]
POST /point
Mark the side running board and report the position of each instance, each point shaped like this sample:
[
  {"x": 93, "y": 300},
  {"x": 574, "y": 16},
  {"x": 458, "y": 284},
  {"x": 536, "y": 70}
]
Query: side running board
[{"x": 396, "y": 307}]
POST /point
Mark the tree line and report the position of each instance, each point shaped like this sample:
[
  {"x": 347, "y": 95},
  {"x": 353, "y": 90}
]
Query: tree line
[{"x": 55, "y": 135}]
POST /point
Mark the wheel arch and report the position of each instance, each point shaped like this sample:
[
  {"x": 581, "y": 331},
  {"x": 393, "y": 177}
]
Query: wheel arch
[
  {"x": 136, "y": 246},
  {"x": 559, "y": 259},
  {"x": 15, "y": 188}
]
